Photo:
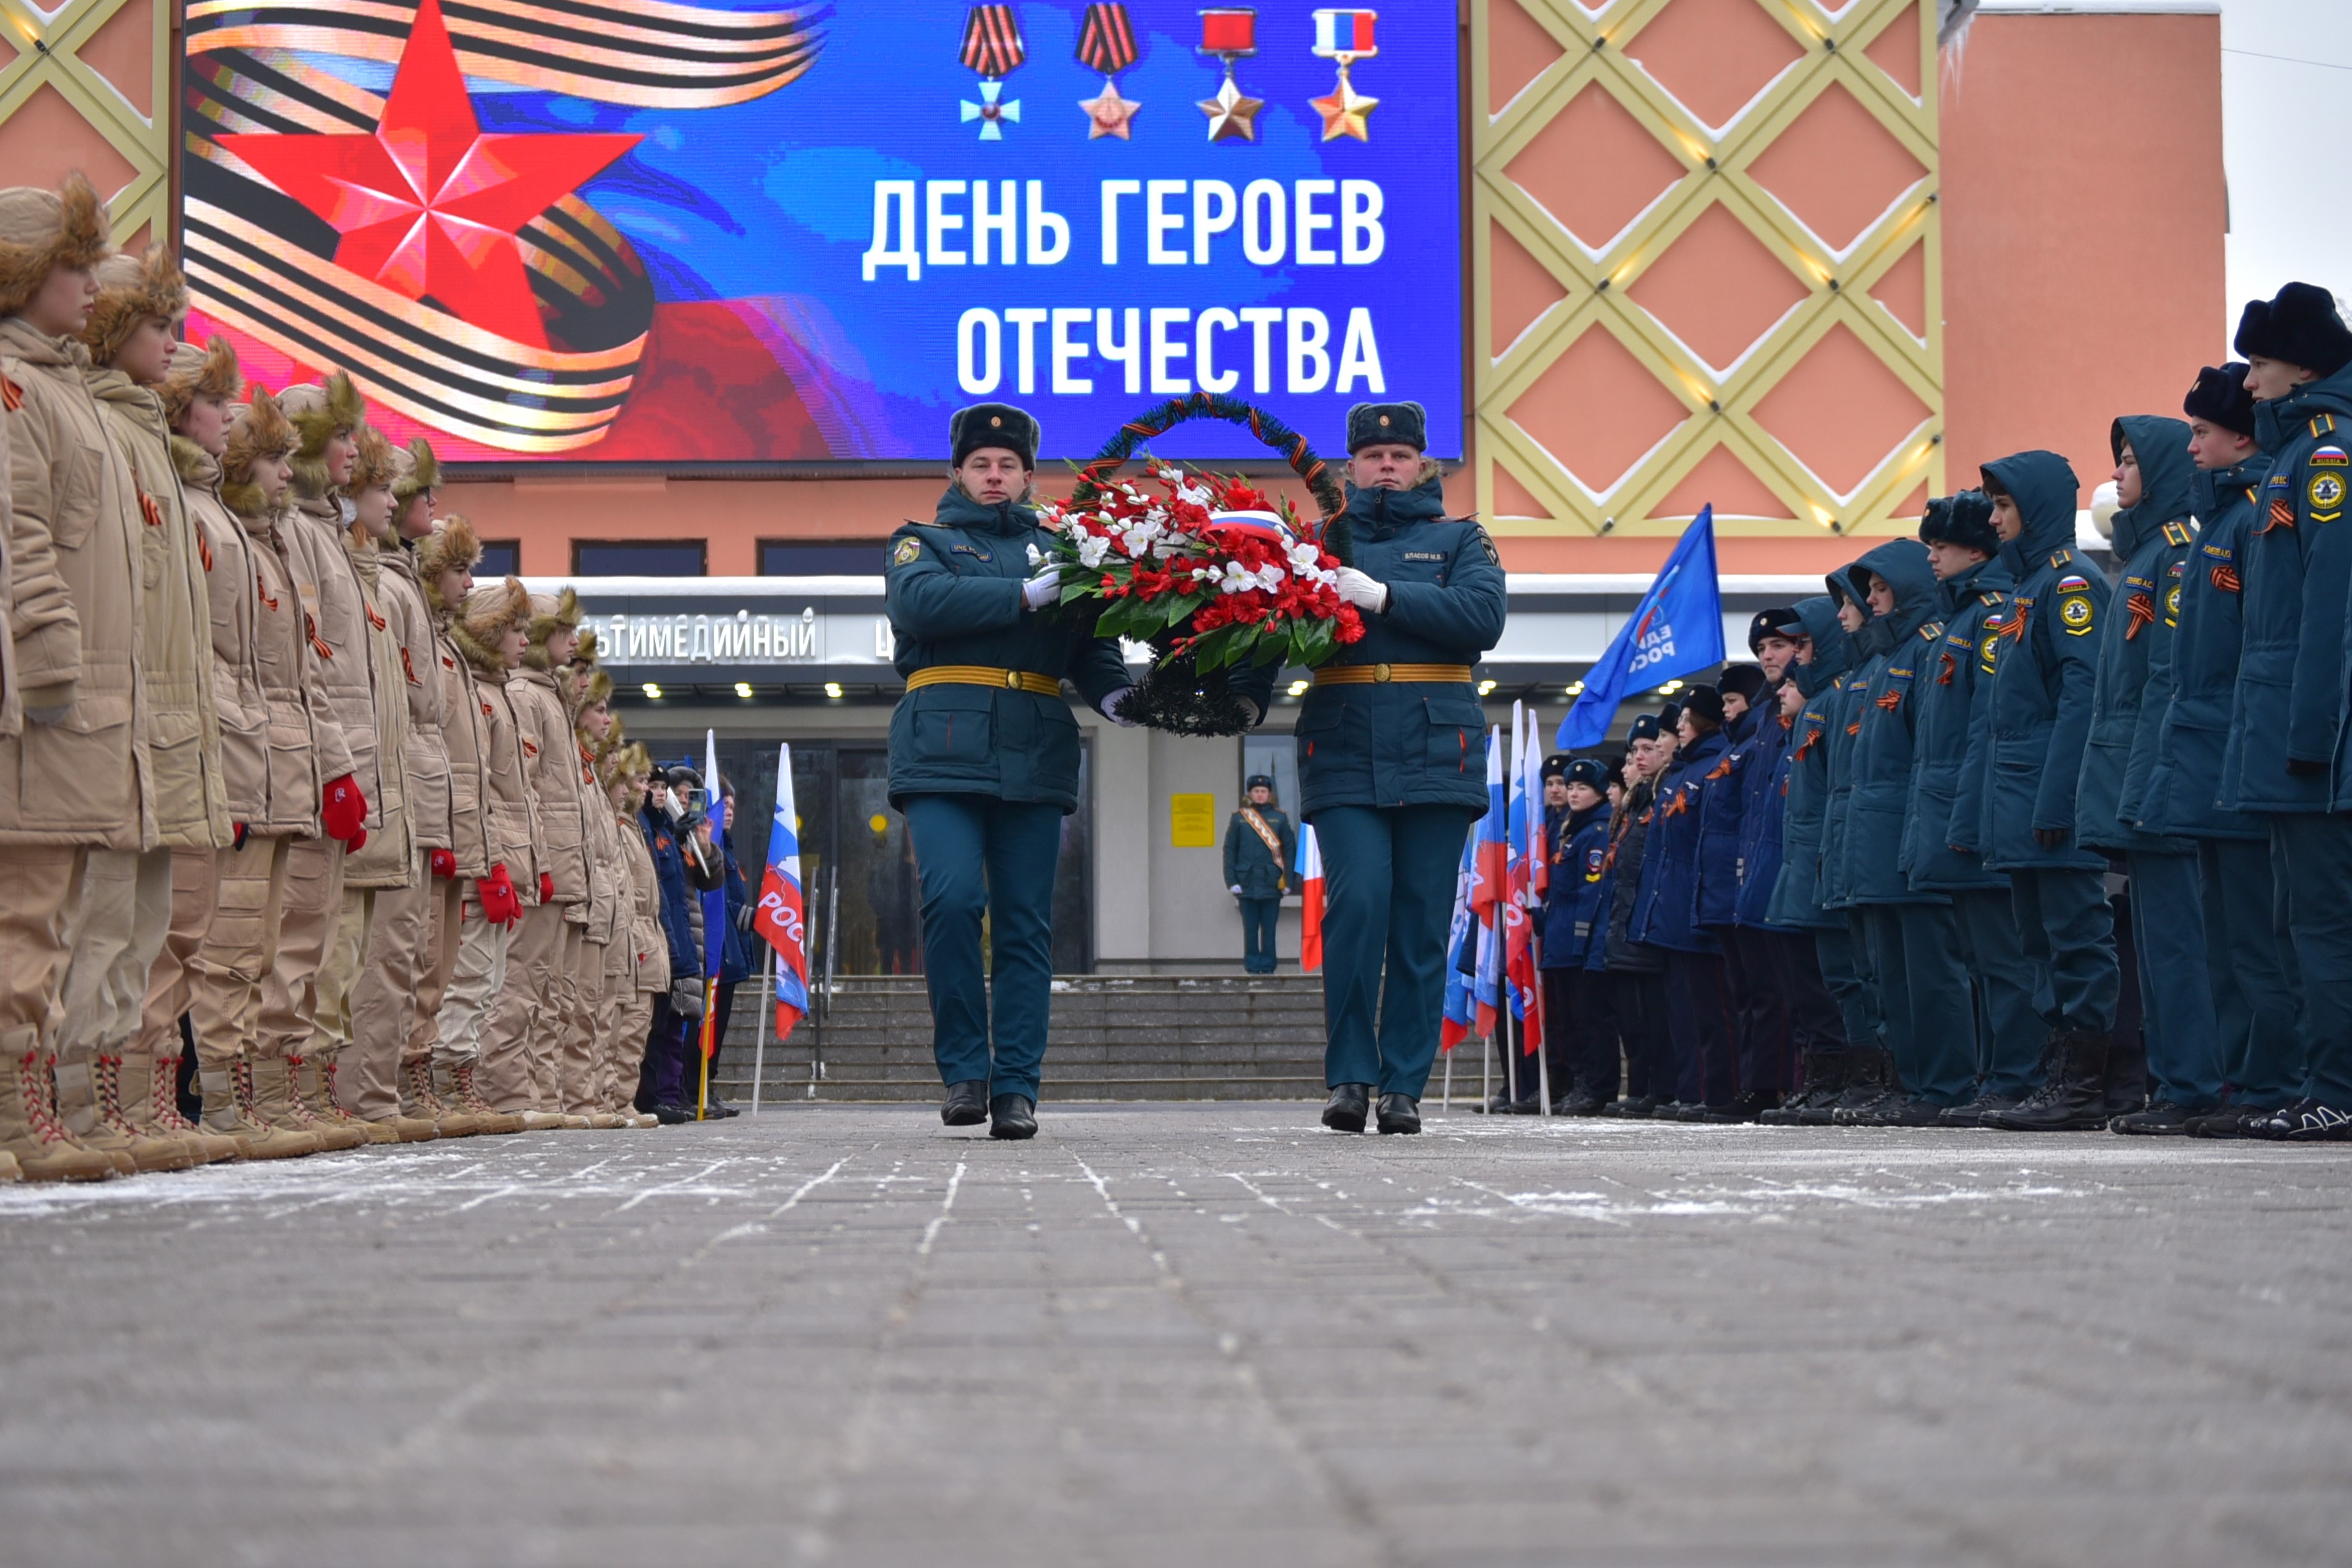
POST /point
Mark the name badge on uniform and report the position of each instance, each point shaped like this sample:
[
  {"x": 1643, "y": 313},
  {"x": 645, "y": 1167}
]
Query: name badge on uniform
[
  {"x": 1425, "y": 555},
  {"x": 971, "y": 550}
]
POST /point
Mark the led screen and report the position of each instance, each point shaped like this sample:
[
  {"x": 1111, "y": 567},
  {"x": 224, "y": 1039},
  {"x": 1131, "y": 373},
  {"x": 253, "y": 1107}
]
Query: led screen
[{"x": 589, "y": 231}]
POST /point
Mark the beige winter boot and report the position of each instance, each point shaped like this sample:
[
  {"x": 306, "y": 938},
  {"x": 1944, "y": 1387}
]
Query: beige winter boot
[
  {"x": 10, "y": 1171},
  {"x": 42, "y": 1149},
  {"x": 274, "y": 1101},
  {"x": 418, "y": 1100},
  {"x": 150, "y": 1099},
  {"x": 314, "y": 1086},
  {"x": 89, "y": 1102},
  {"x": 468, "y": 1099},
  {"x": 227, "y": 1093}
]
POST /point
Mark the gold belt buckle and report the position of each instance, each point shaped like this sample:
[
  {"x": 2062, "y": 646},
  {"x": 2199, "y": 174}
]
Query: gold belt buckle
[
  {"x": 1380, "y": 674},
  {"x": 1013, "y": 680}
]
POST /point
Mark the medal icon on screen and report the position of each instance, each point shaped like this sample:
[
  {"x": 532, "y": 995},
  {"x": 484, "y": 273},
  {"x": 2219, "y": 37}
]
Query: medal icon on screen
[
  {"x": 993, "y": 47},
  {"x": 1229, "y": 34},
  {"x": 1345, "y": 36},
  {"x": 1106, "y": 44}
]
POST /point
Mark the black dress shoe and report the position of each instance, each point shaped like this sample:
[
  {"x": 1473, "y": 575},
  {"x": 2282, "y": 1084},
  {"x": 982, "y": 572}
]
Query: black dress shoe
[
  {"x": 672, "y": 1115},
  {"x": 716, "y": 1110},
  {"x": 1400, "y": 1113},
  {"x": 1011, "y": 1116},
  {"x": 1349, "y": 1104},
  {"x": 1637, "y": 1107},
  {"x": 966, "y": 1104}
]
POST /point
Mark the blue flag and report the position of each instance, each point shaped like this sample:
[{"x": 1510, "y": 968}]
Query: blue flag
[{"x": 1675, "y": 630}]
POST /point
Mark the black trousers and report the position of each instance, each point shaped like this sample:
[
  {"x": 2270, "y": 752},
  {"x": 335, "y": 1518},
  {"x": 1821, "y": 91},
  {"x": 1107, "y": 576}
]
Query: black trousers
[
  {"x": 1760, "y": 1009},
  {"x": 1259, "y": 917},
  {"x": 1698, "y": 1015},
  {"x": 657, "y": 1037},
  {"x": 1581, "y": 1038},
  {"x": 1816, "y": 1022},
  {"x": 1638, "y": 999}
]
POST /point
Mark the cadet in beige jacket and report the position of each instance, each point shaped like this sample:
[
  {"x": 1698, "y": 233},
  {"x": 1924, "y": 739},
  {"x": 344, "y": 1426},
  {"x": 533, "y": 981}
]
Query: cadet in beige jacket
[
  {"x": 535, "y": 1012},
  {"x": 168, "y": 889},
  {"x": 633, "y": 770},
  {"x": 302, "y": 991},
  {"x": 74, "y": 778},
  {"x": 491, "y": 633},
  {"x": 269, "y": 787},
  {"x": 395, "y": 512},
  {"x": 278, "y": 741},
  {"x": 586, "y": 1090},
  {"x": 445, "y": 565}
]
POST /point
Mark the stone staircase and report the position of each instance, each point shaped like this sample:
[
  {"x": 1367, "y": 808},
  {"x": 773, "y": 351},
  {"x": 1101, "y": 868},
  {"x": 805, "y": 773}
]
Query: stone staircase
[{"x": 1114, "y": 1037}]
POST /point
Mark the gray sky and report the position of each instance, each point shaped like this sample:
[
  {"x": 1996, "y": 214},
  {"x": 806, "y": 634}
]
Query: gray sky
[{"x": 2282, "y": 128}]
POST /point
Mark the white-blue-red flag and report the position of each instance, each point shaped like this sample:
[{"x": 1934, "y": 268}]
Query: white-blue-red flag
[
  {"x": 1310, "y": 900},
  {"x": 1490, "y": 886},
  {"x": 780, "y": 918},
  {"x": 1524, "y": 859},
  {"x": 1461, "y": 1014}
]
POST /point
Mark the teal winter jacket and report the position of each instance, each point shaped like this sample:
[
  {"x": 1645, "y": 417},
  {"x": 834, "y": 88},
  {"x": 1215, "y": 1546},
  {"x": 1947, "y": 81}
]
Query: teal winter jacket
[
  {"x": 2153, "y": 541},
  {"x": 2026, "y": 755},
  {"x": 1900, "y": 650},
  {"x": 1945, "y": 697},
  {"x": 2194, "y": 729},
  {"x": 1796, "y": 894},
  {"x": 954, "y": 598},
  {"x": 1405, "y": 743}
]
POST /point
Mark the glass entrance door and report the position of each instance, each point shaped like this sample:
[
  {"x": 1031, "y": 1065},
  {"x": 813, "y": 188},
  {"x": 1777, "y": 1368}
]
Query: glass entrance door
[{"x": 857, "y": 861}]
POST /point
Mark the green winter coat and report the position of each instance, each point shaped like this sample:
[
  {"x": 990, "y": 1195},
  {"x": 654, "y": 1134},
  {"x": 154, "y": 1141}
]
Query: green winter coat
[{"x": 954, "y": 598}]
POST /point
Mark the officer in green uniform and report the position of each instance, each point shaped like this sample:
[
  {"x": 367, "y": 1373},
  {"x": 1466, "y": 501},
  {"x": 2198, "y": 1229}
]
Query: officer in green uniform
[
  {"x": 1260, "y": 849},
  {"x": 984, "y": 759},
  {"x": 1392, "y": 766}
]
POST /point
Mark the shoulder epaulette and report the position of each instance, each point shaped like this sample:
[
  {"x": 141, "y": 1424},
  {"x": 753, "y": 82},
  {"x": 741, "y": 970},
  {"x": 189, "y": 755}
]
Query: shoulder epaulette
[
  {"x": 10, "y": 395},
  {"x": 2322, "y": 424},
  {"x": 2060, "y": 557},
  {"x": 2178, "y": 533},
  {"x": 1931, "y": 631}
]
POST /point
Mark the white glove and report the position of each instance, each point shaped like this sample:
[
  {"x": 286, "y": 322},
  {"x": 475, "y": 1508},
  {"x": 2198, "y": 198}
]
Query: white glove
[
  {"x": 1114, "y": 707},
  {"x": 1361, "y": 591},
  {"x": 1236, "y": 889},
  {"x": 1044, "y": 589}
]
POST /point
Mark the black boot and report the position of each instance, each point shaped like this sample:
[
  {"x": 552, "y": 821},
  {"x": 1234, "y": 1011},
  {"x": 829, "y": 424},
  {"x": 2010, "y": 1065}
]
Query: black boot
[
  {"x": 1349, "y": 1105},
  {"x": 1869, "y": 1073},
  {"x": 1823, "y": 1081},
  {"x": 2126, "y": 1079},
  {"x": 2075, "y": 1098},
  {"x": 966, "y": 1104},
  {"x": 1400, "y": 1113},
  {"x": 1013, "y": 1116}
]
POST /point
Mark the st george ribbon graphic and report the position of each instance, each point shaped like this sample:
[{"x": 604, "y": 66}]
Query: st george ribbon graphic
[{"x": 456, "y": 273}]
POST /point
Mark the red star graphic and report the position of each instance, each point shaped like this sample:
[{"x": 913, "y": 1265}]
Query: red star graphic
[{"x": 428, "y": 204}]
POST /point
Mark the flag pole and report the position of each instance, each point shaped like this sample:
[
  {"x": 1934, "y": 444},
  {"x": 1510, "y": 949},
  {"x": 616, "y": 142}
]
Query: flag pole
[
  {"x": 1543, "y": 1030},
  {"x": 709, "y": 1020},
  {"x": 760, "y": 1040}
]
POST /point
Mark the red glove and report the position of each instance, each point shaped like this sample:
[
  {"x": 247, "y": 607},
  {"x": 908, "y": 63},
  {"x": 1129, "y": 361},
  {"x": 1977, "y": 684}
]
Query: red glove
[
  {"x": 356, "y": 842},
  {"x": 499, "y": 905},
  {"x": 241, "y": 831},
  {"x": 546, "y": 887},
  {"x": 343, "y": 811},
  {"x": 444, "y": 864}
]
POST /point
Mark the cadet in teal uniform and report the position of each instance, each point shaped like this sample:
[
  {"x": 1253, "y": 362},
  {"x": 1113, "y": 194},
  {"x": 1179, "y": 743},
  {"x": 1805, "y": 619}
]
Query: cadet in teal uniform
[
  {"x": 1392, "y": 766},
  {"x": 984, "y": 760},
  {"x": 1260, "y": 849}
]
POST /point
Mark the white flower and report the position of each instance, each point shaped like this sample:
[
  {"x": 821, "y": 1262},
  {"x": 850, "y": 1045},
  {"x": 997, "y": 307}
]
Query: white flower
[
  {"x": 1269, "y": 577},
  {"x": 1091, "y": 550},
  {"x": 1302, "y": 559},
  {"x": 1036, "y": 556}
]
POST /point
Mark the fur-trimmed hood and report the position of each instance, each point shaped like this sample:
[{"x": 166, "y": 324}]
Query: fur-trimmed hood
[
  {"x": 379, "y": 461},
  {"x": 416, "y": 471},
  {"x": 548, "y": 612},
  {"x": 319, "y": 411},
  {"x": 43, "y": 230},
  {"x": 129, "y": 290},
  {"x": 198, "y": 469},
  {"x": 260, "y": 432},
  {"x": 450, "y": 546},
  {"x": 490, "y": 609},
  {"x": 207, "y": 372},
  {"x": 596, "y": 686}
]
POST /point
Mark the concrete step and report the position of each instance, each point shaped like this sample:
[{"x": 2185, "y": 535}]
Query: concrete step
[{"x": 1113, "y": 1037}]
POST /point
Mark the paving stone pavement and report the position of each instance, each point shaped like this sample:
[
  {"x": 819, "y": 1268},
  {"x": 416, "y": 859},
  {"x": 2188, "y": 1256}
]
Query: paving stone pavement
[{"x": 1186, "y": 1335}]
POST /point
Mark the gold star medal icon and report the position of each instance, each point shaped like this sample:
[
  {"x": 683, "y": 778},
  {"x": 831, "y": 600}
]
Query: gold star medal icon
[
  {"x": 1230, "y": 33},
  {"x": 1345, "y": 36},
  {"x": 1107, "y": 43}
]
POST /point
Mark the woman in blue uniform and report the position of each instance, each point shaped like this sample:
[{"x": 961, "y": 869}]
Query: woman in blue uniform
[
  {"x": 984, "y": 759},
  {"x": 1392, "y": 766}
]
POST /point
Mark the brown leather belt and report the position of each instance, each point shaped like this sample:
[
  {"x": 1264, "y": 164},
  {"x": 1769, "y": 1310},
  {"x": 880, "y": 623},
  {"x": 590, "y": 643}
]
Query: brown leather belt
[
  {"x": 1388, "y": 674},
  {"x": 985, "y": 675}
]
